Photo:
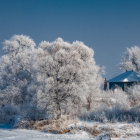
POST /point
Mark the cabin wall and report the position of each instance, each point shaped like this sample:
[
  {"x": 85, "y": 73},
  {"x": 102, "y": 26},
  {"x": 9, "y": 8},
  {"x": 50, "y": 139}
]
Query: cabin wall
[
  {"x": 122, "y": 85},
  {"x": 113, "y": 85}
]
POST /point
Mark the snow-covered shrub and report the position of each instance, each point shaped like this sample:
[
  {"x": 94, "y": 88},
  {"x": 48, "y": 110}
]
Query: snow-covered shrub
[
  {"x": 24, "y": 124},
  {"x": 112, "y": 97},
  {"x": 115, "y": 114},
  {"x": 61, "y": 125},
  {"x": 113, "y": 106},
  {"x": 134, "y": 95},
  {"x": 8, "y": 113},
  {"x": 103, "y": 137}
]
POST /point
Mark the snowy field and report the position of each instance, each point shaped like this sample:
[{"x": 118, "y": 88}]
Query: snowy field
[
  {"x": 7, "y": 133},
  {"x": 22, "y": 134},
  {"x": 18, "y": 134}
]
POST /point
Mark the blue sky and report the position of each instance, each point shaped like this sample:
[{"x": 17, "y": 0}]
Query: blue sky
[{"x": 108, "y": 26}]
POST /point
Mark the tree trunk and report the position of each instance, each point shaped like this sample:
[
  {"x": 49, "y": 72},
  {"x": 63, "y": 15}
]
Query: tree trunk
[{"x": 58, "y": 110}]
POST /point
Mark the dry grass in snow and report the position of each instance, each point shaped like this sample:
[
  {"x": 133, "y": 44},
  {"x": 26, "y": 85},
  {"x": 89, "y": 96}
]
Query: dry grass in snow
[{"x": 93, "y": 129}]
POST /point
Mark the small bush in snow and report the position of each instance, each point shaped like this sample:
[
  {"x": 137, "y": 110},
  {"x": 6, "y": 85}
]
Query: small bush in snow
[{"x": 134, "y": 95}]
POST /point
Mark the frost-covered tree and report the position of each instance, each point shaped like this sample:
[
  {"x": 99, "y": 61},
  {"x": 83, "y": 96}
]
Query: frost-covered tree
[
  {"x": 16, "y": 70},
  {"x": 68, "y": 76},
  {"x": 57, "y": 78},
  {"x": 131, "y": 59}
]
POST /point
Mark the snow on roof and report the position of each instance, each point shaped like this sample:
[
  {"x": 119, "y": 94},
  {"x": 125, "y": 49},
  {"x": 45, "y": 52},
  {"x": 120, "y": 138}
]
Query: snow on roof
[{"x": 128, "y": 76}]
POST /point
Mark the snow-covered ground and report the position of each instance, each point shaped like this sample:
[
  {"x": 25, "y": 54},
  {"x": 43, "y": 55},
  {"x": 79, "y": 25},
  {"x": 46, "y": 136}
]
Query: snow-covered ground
[
  {"x": 7, "y": 133},
  {"x": 22, "y": 134}
]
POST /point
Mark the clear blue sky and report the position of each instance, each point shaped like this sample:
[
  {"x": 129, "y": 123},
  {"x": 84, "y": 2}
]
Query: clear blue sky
[{"x": 108, "y": 26}]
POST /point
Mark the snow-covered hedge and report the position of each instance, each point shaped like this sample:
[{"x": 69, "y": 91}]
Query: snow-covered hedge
[{"x": 115, "y": 114}]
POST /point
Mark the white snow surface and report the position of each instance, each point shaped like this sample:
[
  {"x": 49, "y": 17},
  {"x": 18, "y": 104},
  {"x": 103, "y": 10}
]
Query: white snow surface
[
  {"x": 22, "y": 134},
  {"x": 7, "y": 133}
]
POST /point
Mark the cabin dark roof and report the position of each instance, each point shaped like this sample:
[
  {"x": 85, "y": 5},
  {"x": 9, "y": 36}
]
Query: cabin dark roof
[{"x": 128, "y": 76}]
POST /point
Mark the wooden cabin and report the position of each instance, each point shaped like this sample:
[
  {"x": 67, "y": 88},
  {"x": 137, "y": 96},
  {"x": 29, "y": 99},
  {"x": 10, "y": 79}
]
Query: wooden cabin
[{"x": 124, "y": 80}]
